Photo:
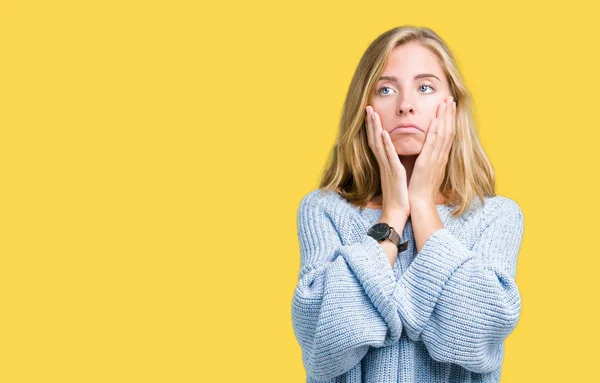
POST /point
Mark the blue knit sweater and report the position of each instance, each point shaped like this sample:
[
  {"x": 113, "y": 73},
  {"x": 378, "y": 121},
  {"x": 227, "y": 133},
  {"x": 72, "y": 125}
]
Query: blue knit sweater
[{"x": 440, "y": 315}]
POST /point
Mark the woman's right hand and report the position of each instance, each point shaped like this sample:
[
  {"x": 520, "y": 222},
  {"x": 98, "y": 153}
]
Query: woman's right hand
[{"x": 394, "y": 185}]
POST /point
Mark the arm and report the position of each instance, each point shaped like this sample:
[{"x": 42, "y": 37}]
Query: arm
[
  {"x": 463, "y": 303},
  {"x": 342, "y": 303}
]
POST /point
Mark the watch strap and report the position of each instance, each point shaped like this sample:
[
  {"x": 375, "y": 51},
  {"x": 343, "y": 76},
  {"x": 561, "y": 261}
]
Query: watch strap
[{"x": 395, "y": 238}]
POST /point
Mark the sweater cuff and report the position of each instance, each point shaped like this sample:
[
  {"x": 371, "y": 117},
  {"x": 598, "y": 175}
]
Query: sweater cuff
[
  {"x": 371, "y": 266},
  {"x": 419, "y": 288}
]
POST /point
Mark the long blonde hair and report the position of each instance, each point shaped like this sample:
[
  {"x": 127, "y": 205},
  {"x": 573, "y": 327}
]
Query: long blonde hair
[{"x": 353, "y": 171}]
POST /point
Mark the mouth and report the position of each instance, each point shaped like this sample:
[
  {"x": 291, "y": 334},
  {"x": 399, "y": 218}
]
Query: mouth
[{"x": 406, "y": 128}]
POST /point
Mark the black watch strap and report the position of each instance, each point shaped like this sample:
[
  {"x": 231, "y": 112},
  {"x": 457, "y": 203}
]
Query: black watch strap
[{"x": 395, "y": 238}]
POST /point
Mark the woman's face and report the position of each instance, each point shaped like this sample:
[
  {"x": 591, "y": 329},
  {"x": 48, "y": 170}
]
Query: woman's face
[{"x": 410, "y": 90}]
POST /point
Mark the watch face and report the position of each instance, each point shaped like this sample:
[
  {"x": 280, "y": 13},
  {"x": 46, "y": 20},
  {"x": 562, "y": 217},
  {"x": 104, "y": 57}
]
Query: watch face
[{"x": 379, "y": 231}]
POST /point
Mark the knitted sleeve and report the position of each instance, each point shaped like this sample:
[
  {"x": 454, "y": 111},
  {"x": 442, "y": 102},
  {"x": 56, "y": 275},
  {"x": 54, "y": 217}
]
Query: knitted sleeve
[
  {"x": 462, "y": 303},
  {"x": 342, "y": 303}
]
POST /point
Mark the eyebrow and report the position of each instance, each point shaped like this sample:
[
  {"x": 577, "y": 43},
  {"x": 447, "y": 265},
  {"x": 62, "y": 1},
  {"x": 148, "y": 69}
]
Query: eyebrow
[{"x": 422, "y": 75}]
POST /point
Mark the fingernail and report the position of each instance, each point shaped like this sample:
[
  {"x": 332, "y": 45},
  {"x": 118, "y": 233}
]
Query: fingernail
[{"x": 451, "y": 98}]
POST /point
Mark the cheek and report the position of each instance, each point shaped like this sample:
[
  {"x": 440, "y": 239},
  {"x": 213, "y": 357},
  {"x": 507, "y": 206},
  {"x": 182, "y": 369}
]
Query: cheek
[
  {"x": 431, "y": 113},
  {"x": 433, "y": 110}
]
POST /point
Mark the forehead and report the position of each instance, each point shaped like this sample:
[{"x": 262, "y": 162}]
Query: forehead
[{"x": 412, "y": 58}]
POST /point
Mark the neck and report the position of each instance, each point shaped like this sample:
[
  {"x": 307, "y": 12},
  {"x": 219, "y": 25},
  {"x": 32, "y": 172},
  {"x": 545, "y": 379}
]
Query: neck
[{"x": 409, "y": 163}]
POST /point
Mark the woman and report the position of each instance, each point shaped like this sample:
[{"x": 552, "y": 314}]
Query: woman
[{"x": 393, "y": 284}]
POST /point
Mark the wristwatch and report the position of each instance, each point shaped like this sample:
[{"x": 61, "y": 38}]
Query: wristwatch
[{"x": 382, "y": 231}]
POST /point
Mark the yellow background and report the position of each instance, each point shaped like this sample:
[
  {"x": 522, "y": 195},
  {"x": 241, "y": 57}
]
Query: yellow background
[{"x": 153, "y": 155}]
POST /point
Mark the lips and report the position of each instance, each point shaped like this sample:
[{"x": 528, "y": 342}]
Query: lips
[{"x": 406, "y": 128}]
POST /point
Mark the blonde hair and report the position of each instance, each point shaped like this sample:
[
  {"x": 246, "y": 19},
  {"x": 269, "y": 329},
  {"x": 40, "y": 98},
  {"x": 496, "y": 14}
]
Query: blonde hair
[{"x": 353, "y": 171}]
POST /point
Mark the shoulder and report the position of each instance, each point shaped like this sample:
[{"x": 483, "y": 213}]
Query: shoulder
[
  {"x": 504, "y": 206},
  {"x": 497, "y": 217},
  {"x": 322, "y": 199},
  {"x": 315, "y": 197},
  {"x": 320, "y": 205},
  {"x": 500, "y": 208}
]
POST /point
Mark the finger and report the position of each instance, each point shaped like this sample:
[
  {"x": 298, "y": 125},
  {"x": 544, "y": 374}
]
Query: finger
[
  {"x": 379, "y": 145},
  {"x": 368, "y": 128},
  {"x": 429, "y": 141},
  {"x": 372, "y": 138},
  {"x": 392, "y": 156},
  {"x": 440, "y": 132},
  {"x": 450, "y": 128}
]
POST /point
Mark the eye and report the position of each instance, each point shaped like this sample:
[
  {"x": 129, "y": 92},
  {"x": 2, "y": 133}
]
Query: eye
[
  {"x": 385, "y": 90},
  {"x": 426, "y": 85},
  {"x": 382, "y": 88}
]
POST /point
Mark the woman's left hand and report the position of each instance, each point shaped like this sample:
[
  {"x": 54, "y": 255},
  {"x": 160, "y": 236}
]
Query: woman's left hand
[{"x": 430, "y": 166}]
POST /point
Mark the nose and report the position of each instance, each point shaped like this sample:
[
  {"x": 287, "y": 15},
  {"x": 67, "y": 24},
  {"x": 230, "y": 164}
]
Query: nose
[
  {"x": 406, "y": 110},
  {"x": 405, "y": 107}
]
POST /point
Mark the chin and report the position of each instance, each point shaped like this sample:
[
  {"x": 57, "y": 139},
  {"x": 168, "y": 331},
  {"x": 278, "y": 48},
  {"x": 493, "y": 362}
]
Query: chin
[{"x": 411, "y": 148}]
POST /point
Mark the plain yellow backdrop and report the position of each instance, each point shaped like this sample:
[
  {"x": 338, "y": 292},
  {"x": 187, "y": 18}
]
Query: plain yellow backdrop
[{"x": 153, "y": 155}]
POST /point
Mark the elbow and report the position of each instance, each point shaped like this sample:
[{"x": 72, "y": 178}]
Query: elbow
[
  {"x": 475, "y": 339},
  {"x": 481, "y": 359},
  {"x": 325, "y": 366},
  {"x": 487, "y": 349},
  {"x": 318, "y": 371},
  {"x": 512, "y": 313},
  {"x": 494, "y": 310},
  {"x": 489, "y": 360},
  {"x": 509, "y": 307}
]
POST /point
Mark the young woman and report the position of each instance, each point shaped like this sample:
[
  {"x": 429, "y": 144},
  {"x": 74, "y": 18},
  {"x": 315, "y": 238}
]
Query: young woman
[{"x": 408, "y": 257}]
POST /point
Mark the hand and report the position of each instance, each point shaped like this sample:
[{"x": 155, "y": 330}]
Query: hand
[
  {"x": 392, "y": 173},
  {"x": 430, "y": 166}
]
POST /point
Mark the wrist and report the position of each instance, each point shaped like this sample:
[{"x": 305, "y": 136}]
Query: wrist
[
  {"x": 420, "y": 203},
  {"x": 394, "y": 216},
  {"x": 397, "y": 221}
]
